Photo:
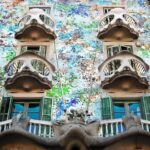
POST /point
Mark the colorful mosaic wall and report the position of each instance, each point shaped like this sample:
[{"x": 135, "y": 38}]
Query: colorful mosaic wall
[{"x": 79, "y": 50}]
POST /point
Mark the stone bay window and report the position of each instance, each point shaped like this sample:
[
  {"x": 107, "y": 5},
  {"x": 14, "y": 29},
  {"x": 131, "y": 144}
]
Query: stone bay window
[
  {"x": 30, "y": 73},
  {"x": 122, "y": 70},
  {"x": 123, "y": 75}
]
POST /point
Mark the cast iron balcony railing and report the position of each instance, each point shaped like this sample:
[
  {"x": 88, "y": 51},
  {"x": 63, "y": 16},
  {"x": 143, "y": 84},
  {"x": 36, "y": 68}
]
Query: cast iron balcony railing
[
  {"x": 38, "y": 16},
  {"x": 30, "y": 62},
  {"x": 117, "y": 14},
  {"x": 118, "y": 17},
  {"x": 123, "y": 61}
]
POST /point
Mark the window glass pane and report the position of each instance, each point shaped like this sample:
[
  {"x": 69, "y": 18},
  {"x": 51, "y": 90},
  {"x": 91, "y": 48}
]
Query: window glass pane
[
  {"x": 109, "y": 52},
  {"x": 135, "y": 109},
  {"x": 126, "y": 48},
  {"x": 115, "y": 50},
  {"x": 130, "y": 49},
  {"x": 119, "y": 110},
  {"x": 34, "y": 111},
  {"x": 17, "y": 108}
]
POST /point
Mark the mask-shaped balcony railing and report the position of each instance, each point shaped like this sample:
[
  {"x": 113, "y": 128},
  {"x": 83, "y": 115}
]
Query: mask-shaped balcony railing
[
  {"x": 123, "y": 61},
  {"x": 115, "y": 17},
  {"x": 30, "y": 62},
  {"x": 38, "y": 16},
  {"x": 110, "y": 19}
]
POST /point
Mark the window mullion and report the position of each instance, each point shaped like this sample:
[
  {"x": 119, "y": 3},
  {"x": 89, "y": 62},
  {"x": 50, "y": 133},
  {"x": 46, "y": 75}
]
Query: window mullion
[{"x": 127, "y": 108}]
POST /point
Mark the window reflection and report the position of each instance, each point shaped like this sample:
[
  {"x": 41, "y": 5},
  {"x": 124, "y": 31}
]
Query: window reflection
[
  {"x": 31, "y": 110},
  {"x": 134, "y": 108},
  {"x": 122, "y": 109},
  {"x": 17, "y": 108},
  {"x": 119, "y": 110}
]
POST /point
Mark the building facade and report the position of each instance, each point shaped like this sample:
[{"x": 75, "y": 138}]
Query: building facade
[{"x": 26, "y": 113}]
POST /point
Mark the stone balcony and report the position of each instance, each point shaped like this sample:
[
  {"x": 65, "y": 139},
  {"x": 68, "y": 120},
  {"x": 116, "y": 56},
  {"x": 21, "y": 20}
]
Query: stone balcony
[
  {"x": 118, "y": 22},
  {"x": 36, "y": 19},
  {"x": 123, "y": 71},
  {"x": 103, "y": 128},
  {"x": 130, "y": 133},
  {"x": 28, "y": 72},
  {"x": 74, "y": 133}
]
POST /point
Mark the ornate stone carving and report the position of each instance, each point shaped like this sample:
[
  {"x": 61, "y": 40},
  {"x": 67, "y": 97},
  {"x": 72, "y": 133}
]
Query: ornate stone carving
[
  {"x": 36, "y": 23},
  {"x": 75, "y": 119},
  {"x": 131, "y": 122},
  {"x": 20, "y": 121}
]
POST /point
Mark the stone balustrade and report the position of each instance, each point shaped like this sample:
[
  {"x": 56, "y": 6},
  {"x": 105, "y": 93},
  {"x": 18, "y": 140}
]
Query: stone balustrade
[{"x": 105, "y": 128}]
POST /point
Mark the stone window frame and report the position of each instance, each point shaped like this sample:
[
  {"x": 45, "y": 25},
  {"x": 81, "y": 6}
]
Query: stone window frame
[
  {"x": 106, "y": 44},
  {"x": 25, "y": 48},
  {"x": 49, "y": 47},
  {"x": 48, "y": 7},
  {"x": 106, "y": 9}
]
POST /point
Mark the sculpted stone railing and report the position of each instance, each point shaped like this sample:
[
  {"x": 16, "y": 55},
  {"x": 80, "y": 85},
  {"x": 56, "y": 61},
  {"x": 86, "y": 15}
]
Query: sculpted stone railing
[
  {"x": 40, "y": 128},
  {"x": 106, "y": 127},
  {"x": 31, "y": 62},
  {"x": 38, "y": 16},
  {"x": 5, "y": 125},
  {"x": 118, "y": 15},
  {"x": 111, "y": 127},
  {"x": 120, "y": 62}
]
